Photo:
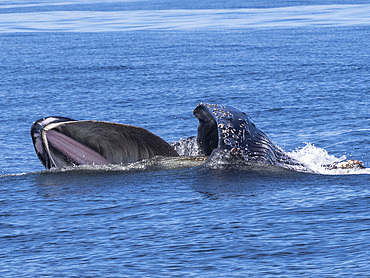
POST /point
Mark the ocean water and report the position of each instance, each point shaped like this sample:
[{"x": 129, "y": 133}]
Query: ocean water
[{"x": 300, "y": 69}]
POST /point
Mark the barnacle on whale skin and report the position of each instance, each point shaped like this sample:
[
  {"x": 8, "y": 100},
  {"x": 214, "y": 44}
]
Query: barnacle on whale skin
[{"x": 350, "y": 164}]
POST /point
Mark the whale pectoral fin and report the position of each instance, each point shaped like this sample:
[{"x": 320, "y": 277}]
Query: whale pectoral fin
[{"x": 64, "y": 142}]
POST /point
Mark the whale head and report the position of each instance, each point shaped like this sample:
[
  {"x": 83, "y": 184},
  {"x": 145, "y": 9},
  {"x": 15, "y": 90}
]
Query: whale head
[{"x": 227, "y": 128}]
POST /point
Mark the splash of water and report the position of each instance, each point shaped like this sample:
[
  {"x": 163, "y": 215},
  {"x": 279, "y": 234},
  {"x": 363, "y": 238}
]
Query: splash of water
[
  {"x": 317, "y": 160},
  {"x": 187, "y": 147}
]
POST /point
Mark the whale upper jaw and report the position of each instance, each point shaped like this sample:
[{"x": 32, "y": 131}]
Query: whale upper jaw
[{"x": 234, "y": 131}]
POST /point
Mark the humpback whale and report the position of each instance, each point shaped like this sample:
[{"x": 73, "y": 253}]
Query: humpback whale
[{"x": 223, "y": 132}]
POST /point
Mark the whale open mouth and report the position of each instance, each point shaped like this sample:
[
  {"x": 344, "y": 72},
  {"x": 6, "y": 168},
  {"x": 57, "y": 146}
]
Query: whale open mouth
[
  {"x": 207, "y": 137},
  {"x": 63, "y": 142},
  {"x": 225, "y": 134}
]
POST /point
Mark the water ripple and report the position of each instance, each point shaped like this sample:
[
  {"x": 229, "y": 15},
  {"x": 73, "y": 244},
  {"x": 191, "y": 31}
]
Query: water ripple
[{"x": 98, "y": 21}]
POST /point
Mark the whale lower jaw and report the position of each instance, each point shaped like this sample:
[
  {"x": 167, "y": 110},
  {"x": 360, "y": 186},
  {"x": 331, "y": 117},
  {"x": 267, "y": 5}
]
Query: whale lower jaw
[{"x": 61, "y": 142}]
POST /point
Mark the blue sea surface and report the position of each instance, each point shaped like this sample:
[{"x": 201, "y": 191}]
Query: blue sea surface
[{"x": 300, "y": 69}]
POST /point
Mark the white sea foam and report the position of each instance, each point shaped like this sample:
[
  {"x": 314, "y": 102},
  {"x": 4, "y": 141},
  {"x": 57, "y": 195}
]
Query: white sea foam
[
  {"x": 157, "y": 163},
  {"x": 316, "y": 159},
  {"x": 98, "y": 21},
  {"x": 187, "y": 147}
]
